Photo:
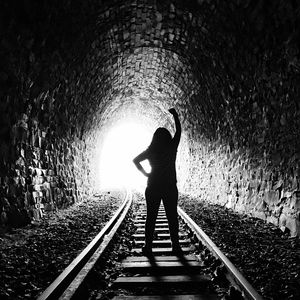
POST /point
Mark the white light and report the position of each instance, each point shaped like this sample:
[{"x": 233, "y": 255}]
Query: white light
[{"x": 120, "y": 146}]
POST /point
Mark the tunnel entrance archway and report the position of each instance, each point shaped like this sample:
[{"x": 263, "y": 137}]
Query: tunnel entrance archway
[
  {"x": 121, "y": 143},
  {"x": 120, "y": 140}
]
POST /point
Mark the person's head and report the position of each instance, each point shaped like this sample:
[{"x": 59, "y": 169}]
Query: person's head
[{"x": 161, "y": 139}]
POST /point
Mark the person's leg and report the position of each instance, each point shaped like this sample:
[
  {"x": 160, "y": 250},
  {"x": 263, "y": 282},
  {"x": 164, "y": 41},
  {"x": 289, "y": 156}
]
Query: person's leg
[
  {"x": 170, "y": 200},
  {"x": 153, "y": 201}
]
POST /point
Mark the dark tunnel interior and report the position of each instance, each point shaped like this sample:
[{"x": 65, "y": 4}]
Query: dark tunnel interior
[{"x": 72, "y": 70}]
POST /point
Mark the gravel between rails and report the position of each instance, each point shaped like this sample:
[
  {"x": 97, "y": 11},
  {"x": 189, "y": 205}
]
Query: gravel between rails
[
  {"x": 33, "y": 256},
  {"x": 269, "y": 259}
]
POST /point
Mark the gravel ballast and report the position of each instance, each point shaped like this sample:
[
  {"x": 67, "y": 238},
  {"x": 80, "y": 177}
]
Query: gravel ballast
[
  {"x": 267, "y": 257},
  {"x": 33, "y": 256}
]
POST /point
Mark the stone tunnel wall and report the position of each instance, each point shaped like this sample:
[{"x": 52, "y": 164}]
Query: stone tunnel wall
[
  {"x": 230, "y": 67},
  {"x": 254, "y": 186},
  {"x": 44, "y": 156},
  {"x": 250, "y": 158}
]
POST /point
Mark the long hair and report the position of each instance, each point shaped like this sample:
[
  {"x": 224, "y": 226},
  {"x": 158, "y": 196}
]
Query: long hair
[{"x": 161, "y": 140}]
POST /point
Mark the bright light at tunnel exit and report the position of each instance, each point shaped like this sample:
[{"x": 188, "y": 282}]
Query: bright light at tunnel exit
[{"x": 121, "y": 145}]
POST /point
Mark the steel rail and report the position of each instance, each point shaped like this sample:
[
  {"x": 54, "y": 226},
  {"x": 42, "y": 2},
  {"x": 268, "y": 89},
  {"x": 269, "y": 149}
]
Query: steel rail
[
  {"x": 239, "y": 279},
  {"x": 65, "y": 285}
]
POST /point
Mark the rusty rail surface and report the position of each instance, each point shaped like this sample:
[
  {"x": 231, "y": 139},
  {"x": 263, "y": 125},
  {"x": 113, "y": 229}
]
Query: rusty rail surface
[
  {"x": 66, "y": 284},
  {"x": 236, "y": 277}
]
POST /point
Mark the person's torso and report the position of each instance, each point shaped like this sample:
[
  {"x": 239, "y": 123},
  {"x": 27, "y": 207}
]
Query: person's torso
[{"x": 163, "y": 170}]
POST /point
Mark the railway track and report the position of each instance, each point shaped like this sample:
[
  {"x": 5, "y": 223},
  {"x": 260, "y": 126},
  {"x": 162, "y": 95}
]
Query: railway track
[{"x": 201, "y": 273}]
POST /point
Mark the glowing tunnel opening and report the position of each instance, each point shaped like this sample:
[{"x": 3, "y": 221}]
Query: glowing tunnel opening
[{"x": 120, "y": 145}]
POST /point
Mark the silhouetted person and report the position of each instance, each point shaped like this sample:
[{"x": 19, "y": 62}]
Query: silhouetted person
[{"x": 161, "y": 184}]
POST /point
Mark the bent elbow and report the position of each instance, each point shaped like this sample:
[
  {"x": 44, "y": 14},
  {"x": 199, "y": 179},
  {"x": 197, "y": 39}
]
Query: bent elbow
[{"x": 136, "y": 163}]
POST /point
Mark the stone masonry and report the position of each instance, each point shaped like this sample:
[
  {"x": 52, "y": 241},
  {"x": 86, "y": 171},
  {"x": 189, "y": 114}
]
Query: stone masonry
[{"x": 68, "y": 69}]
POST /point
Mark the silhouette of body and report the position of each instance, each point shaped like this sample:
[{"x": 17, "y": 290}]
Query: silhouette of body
[{"x": 161, "y": 183}]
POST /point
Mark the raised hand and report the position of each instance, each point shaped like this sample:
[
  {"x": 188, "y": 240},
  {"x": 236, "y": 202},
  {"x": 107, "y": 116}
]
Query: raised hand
[{"x": 173, "y": 111}]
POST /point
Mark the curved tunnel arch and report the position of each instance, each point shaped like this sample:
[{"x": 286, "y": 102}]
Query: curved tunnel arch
[{"x": 73, "y": 70}]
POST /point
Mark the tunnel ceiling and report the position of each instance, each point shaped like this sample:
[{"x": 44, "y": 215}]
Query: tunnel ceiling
[
  {"x": 163, "y": 54},
  {"x": 140, "y": 60},
  {"x": 146, "y": 78},
  {"x": 82, "y": 64}
]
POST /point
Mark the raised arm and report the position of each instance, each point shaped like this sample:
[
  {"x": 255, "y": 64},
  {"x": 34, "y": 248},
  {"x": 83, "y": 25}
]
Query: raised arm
[
  {"x": 177, "y": 125},
  {"x": 137, "y": 162}
]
